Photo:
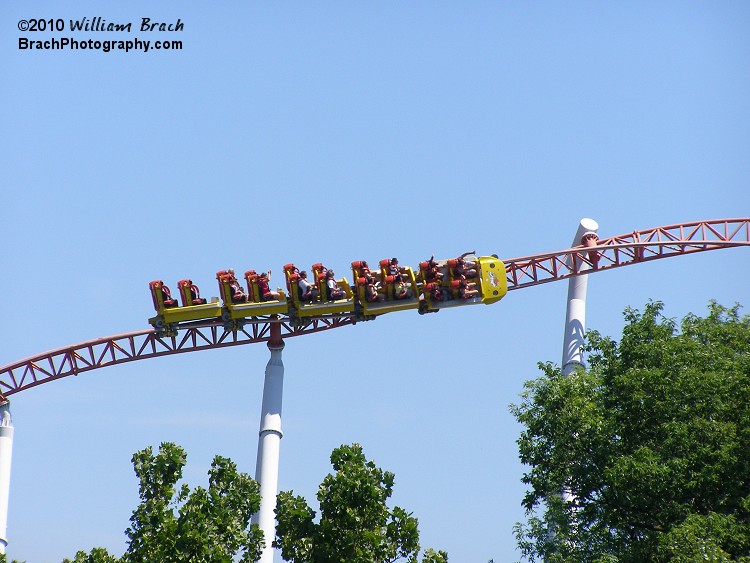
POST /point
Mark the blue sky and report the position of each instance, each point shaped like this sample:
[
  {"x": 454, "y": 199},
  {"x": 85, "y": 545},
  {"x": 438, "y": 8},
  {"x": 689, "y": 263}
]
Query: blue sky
[{"x": 337, "y": 131}]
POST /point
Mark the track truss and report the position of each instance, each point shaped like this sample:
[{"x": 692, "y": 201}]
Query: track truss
[
  {"x": 633, "y": 248},
  {"x": 591, "y": 256},
  {"x": 141, "y": 345}
]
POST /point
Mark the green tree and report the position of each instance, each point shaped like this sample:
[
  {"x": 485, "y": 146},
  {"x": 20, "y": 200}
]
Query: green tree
[
  {"x": 96, "y": 555},
  {"x": 651, "y": 445},
  {"x": 355, "y": 525},
  {"x": 177, "y": 525}
]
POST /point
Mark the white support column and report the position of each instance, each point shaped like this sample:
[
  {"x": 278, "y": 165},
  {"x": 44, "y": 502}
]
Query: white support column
[
  {"x": 6, "y": 452},
  {"x": 575, "y": 316},
  {"x": 269, "y": 441}
]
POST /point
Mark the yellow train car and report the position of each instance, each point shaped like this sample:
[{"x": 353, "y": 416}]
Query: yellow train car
[
  {"x": 318, "y": 298},
  {"x": 391, "y": 288},
  {"x": 240, "y": 303},
  {"x": 169, "y": 312},
  {"x": 462, "y": 281}
]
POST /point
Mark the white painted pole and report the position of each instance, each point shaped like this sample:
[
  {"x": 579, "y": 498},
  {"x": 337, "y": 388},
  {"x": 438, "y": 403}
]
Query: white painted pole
[
  {"x": 269, "y": 441},
  {"x": 575, "y": 317},
  {"x": 6, "y": 451}
]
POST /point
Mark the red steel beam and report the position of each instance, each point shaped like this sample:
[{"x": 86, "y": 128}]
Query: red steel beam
[
  {"x": 144, "y": 344},
  {"x": 623, "y": 250}
]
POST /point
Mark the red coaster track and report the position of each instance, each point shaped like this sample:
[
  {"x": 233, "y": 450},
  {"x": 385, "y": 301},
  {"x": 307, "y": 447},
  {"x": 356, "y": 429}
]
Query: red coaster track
[
  {"x": 623, "y": 250},
  {"x": 590, "y": 257}
]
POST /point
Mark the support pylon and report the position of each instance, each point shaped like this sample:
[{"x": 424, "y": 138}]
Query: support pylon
[
  {"x": 269, "y": 441},
  {"x": 6, "y": 452},
  {"x": 575, "y": 316}
]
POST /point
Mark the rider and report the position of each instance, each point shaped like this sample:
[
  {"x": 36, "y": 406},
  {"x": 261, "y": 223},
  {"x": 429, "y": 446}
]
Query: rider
[
  {"x": 467, "y": 290},
  {"x": 332, "y": 288},
  {"x": 432, "y": 273},
  {"x": 371, "y": 290},
  {"x": 264, "y": 289},
  {"x": 465, "y": 268},
  {"x": 307, "y": 291},
  {"x": 393, "y": 268},
  {"x": 238, "y": 292}
]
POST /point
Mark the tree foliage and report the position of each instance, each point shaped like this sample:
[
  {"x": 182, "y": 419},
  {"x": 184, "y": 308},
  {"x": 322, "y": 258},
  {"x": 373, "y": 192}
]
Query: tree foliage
[
  {"x": 644, "y": 456},
  {"x": 177, "y": 525},
  {"x": 96, "y": 555},
  {"x": 355, "y": 525}
]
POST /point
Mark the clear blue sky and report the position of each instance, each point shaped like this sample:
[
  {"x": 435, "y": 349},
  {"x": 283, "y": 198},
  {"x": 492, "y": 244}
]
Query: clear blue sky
[{"x": 336, "y": 131}]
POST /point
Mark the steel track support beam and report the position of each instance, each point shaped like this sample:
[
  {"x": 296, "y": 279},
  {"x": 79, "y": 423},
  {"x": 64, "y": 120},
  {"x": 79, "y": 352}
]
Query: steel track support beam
[{"x": 269, "y": 442}]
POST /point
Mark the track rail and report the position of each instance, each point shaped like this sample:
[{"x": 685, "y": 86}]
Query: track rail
[
  {"x": 623, "y": 250},
  {"x": 144, "y": 344},
  {"x": 590, "y": 257}
]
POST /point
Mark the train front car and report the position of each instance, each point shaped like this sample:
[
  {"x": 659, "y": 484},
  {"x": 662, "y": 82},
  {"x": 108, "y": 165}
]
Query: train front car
[
  {"x": 466, "y": 280},
  {"x": 493, "y": 281}
]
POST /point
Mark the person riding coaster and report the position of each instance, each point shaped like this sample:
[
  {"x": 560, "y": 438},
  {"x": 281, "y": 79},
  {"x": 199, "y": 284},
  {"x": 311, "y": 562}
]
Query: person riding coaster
[
  {"x": 307, "y": 291},
  {"x": 264, "y": 288},
  {"x": 333, "y": 291}
]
